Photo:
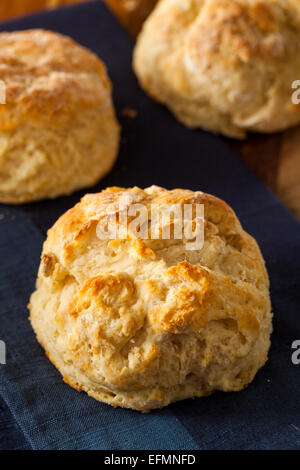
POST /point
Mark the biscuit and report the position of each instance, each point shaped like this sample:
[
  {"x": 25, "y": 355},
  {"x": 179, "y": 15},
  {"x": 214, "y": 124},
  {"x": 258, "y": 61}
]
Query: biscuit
[
  {"x": 58, "y": 131},
  {"x": 140, "y": 323},
  {"x": 223, "y": 65}
]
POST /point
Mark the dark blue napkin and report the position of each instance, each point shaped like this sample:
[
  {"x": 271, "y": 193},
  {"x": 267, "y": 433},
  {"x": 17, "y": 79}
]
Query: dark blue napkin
[{"x": 37, "y": 410}]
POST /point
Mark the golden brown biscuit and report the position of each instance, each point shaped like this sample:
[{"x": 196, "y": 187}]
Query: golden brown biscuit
[
  {"x": 58, "y": 130},
  {"x": 140, "y": 323},
  {"x": 223, "y": 65}
]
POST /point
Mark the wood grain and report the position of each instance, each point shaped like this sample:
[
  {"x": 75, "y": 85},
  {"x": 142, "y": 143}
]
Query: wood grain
[
  {"x": 11, "y": 8},
  {"x": 274, "y": 158}
]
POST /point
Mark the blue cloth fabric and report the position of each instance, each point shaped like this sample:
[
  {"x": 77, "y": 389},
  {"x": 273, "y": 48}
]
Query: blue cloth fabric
[{"x": 39, "y": 411}]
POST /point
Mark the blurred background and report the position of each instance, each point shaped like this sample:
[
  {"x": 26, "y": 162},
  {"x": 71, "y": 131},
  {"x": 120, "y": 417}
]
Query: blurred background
[
  {"x": 131, "y": 13},
  {"x": 11, "y": 8},
  {"x": 275, "y": 158}
]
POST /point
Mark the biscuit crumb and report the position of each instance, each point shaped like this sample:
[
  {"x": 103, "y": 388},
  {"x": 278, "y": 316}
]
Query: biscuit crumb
[{"x": 129, "y": 113}]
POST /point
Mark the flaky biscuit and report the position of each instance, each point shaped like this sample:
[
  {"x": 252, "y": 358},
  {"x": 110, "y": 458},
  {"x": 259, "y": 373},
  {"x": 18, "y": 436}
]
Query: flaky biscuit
[
  {"x": 223, "y": 65},
  {"x": 58, "y": 130},
  {"x": 140, "y": 323}
]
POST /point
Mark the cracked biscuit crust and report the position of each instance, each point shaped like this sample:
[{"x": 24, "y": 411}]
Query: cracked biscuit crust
[
  {"x": 140, "y": 323},
  {"x": 58, "y": 130},
  {"x": 223, "y": 65}
]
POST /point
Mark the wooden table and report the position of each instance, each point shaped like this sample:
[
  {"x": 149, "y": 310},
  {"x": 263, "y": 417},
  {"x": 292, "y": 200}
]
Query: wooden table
[
  {"x": 274, "y": 158},
  {"x": 11, "y": 8}
]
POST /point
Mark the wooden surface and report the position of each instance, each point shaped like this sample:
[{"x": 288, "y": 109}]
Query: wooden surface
[
  {"x": 276, "y": 161},
  {"x": 11, "y": 8},
  {"x": 274, "y": 158}
]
